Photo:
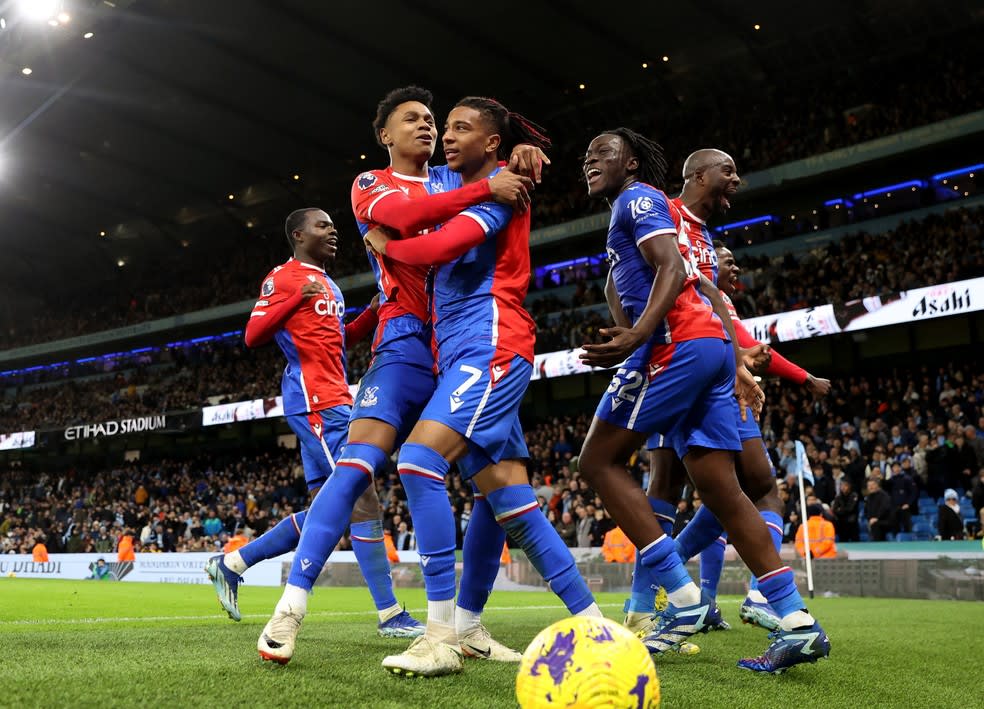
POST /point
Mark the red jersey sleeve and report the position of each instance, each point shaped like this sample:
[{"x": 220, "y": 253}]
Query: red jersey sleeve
[
  {"x": 359, "y": 328},
  {"x": 779, "y": 366},
  {"x": 376, "y": 201},
  {"x": 278, "y": 301},
  {"x": 443, "y": 246}
]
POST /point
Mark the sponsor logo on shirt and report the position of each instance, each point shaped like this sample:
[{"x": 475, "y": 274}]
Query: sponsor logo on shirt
[{"x": 640, "y": 206}]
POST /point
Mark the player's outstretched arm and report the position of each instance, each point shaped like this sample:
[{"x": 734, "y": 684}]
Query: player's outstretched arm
[
  {"x": 266, "y": 320},
  {"x": 662, "y": 254},
  {"x": 781, "y": 367},
  {"x": 411, "y": 215},
  {"x": 365, "y": 323},
  {"x": 451, "y": 241}
]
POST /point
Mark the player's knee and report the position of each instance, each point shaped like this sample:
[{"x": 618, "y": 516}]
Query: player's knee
[{"x": 367, "y": 506}]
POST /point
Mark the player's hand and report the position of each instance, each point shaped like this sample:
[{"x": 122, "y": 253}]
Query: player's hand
[
  {"x": 374, "y": 303},
  {"x": 624, "y": 341},
  {"x": 528, "y": 160},
  {"x": 377, "y": 238},
  {"x": 757, "y": 357},
  {"x": 312, "y": 289},
  {"x": 511, "y": 189},
  {"x": 749, "y": 393},
  {"x": 817, "y": 386}
]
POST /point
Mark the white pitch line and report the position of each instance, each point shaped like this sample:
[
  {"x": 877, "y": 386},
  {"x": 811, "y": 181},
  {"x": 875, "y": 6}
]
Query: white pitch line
[{"x": 315, "y": 614}]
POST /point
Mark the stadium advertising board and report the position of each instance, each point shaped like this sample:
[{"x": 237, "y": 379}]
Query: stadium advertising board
[
  {"x": 242, "y": 411},
  {"x": 115, "y": 428},
  {"x": 16, "y": 441},
  {"x": 186, "y": 568},
  {"x": 878, "y": 311}
]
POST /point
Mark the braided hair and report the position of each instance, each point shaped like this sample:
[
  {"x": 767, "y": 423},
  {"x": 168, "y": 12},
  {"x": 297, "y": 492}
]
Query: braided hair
[
  {"x": 652, "y": 160},
  {"x": 512, "y": 127}
]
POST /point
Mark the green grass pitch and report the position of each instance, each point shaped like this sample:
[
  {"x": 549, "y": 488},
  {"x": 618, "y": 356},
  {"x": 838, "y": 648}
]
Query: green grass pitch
[{"x": 128, "y": 644}]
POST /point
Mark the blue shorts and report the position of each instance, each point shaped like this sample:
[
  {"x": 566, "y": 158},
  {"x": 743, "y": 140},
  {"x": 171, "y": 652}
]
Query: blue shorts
[
  {"x": 684, "y": 389},
  {"x": 321, "y": 435},
  {"x": 478, "y": 394},
  {"x": 749, "y": 428},
  {"x": 400, "y": 380}
]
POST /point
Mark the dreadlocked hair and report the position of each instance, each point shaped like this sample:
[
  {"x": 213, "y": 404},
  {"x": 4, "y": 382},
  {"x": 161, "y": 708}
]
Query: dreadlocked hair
[
  {"x": 652, "y": 160},
  {"x": 393, "y": 99},
  {"x": 512, "y": 127}
]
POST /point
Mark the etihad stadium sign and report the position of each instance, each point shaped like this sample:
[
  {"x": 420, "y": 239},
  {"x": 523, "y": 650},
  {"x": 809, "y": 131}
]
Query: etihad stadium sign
[{"x": 115, "y": 428}]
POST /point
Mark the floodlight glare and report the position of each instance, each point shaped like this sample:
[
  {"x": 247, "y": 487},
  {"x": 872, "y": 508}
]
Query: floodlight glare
[{"x": 39, "y": 9}]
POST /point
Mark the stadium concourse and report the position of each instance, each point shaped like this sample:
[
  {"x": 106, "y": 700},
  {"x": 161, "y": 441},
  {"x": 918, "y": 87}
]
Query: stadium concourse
[{"x": 149, "y": 157}]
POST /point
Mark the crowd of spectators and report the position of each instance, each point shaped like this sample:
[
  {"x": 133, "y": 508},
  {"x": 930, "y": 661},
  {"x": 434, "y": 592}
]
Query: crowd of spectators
[
  {"x": 879, "y": 445},
  {"x": 940, "y": 248},
  {"x": 763, "y": 127}
]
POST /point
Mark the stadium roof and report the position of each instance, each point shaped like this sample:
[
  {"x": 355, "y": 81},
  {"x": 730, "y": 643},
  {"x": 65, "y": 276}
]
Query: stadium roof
[{"x": 181, "y": 120}]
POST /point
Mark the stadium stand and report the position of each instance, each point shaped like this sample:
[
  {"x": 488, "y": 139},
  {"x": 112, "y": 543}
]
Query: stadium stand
[{"x": 928, "y": 420}]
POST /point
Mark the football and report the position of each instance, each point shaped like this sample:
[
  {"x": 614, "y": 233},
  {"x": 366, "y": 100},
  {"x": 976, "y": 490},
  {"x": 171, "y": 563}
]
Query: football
[{"x": 587, "y": 662}]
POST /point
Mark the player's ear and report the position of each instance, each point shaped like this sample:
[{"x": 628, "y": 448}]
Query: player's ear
[
  {"x": 632, "y": 165},
  {"x": 493, "y": 143},
  {"x": 384, "y": 138}
]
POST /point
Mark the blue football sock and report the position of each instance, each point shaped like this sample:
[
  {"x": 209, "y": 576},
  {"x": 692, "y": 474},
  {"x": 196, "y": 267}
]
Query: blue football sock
[
  {"x": 711, "y": 563},
  {"x": 422, "y": 471},
  {"x": 700, "y": 533},
  {"x": 481, "y": 552},
  {"x": 774, "y": 523},
  {"x": 516, "y": 509},
  {"x": 643, "y": 597},
  {"x": 370, "y": 552},
  {"x": 663, "y": 561},
  {"x": 274, "y": 542},
  {"x": 779, "y": 588},
  {"x": 329, "y": 514}
]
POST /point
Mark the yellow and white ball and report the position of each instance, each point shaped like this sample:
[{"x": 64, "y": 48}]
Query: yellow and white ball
[{"x": 587, "y": 663}]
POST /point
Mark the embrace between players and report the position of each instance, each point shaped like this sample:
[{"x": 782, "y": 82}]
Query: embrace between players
[{"x": 450, "y": 366}]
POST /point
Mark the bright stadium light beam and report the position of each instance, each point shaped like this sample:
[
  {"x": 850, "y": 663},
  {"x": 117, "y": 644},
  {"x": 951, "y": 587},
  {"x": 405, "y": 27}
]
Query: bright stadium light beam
[{"x": 40, "y": 10}]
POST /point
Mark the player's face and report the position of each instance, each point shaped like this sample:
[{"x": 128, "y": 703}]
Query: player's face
[
  {"x": 728, "y": 271},
  {"x": 410, "y": 131},
  {"x": 606, "y": 166},
  {"x": 722, "y": 182},
  {"x": 468, "y": 140},
  {"x": 320, "y": 237}
]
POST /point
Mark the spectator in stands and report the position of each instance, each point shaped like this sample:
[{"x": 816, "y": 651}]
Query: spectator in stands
[
  {"x": 905, "y": 496},
  {"x": 824, "y": 486},
  {"x": 878, "y": 507},
  {"x": 977, "y": 493},
  {"x": 405, "y": 540},
  {"x": 950, "y": 524},
  {"x": 567, "y": 529},
  {"x": 584, "y": 522},
  {"x": 845, "y": 511}
]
